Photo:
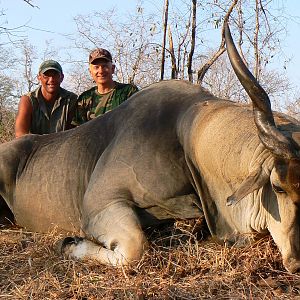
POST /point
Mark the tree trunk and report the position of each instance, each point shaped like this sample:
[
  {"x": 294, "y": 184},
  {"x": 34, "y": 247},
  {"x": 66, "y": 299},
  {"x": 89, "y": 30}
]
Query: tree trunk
[
  {"x": 202, "y": 71},
  {"x": 165, "y": 25},
  {"x": 190, "y": 58},
  {"x": 255, "y": 41},
  {"x": 174, "y": 71}
]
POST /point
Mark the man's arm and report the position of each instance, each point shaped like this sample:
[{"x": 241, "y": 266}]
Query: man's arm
[
  {"x": 72, "y": 111},
  {"x": 80, "y": 111},
  {"x": 24, "y": 115}
]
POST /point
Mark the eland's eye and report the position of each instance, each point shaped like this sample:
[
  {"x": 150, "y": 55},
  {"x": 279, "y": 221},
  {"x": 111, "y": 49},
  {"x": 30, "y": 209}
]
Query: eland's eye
[{"x": 277, "y": 189}]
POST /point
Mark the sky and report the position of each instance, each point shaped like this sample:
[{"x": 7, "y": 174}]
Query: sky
[
  {"x": 55, "y": 16},
  {"x": 53, "y": 20},
  {"x": 292, "y": 43}
]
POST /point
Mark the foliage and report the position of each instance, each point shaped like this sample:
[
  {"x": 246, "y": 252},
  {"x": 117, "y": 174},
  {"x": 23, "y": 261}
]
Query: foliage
[
  {"x": 7, "y": 120},
  {"x": 7, "y": 111}
]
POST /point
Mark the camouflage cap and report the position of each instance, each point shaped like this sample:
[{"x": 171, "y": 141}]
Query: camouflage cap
[
  {"x": 50, "y": 65},
  {"x": 100, "y": 53}
]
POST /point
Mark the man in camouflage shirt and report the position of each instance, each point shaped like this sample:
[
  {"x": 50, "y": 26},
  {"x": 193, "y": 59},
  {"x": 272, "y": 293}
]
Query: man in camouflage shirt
[{"x": 107, "y": 94}]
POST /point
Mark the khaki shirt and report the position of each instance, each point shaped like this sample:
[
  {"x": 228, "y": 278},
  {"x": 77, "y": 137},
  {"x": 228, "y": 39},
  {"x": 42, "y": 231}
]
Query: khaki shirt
[{"x": 60, "y": 117}]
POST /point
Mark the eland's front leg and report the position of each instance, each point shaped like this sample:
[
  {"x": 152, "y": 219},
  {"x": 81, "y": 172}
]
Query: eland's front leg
[{"x": 115, "y": 237}]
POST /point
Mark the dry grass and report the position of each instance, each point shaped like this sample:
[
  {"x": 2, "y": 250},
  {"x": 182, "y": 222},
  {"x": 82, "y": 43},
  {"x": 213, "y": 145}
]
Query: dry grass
[{"x": 177, "y": 266}]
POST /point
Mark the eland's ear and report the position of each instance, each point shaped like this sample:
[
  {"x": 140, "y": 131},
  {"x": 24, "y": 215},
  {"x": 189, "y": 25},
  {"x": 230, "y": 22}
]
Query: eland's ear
[{"x": 254, "y": 181}]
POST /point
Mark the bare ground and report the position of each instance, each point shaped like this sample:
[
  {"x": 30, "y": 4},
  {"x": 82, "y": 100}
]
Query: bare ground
[{"x": 178, "y": 265}]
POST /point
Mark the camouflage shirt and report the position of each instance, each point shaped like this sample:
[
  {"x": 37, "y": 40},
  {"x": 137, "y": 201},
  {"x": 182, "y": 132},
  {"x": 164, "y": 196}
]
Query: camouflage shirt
[
  {"x": 49, "y": 119},
  {"x": 92, "y": 104}
]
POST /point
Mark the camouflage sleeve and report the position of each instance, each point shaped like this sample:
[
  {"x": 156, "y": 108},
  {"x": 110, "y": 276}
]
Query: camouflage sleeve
[
  {"x": 123, "y": 92},
  {"x": 80, "y": 114},
  {"x": 130, "y": 90},
  {"x": 71, "y": 110},
  {"x": 73, "y": 101},
  {"x": 133, "y": 90}
]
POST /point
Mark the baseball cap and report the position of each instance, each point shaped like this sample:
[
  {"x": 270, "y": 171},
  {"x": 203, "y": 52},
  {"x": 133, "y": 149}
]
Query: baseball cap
[
  {"x": 100, "y": 53},
  {"x": 50, "y": 65}
]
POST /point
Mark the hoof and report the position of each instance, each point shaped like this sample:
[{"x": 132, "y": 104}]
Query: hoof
[
  {"x": 66, "y": 244},
  {"x": 7, "y": 218}
]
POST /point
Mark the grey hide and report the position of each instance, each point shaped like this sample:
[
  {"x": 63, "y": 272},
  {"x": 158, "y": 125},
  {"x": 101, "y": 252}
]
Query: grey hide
[{"x": 171, "y": 151}]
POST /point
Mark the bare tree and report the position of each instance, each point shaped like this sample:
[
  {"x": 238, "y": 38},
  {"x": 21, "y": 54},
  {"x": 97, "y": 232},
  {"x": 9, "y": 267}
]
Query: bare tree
[
  {"x": 255, "y": 40},
  {"x": 193, "y": 37},
  {"x": 165, "y": 25},
  {"x": 174, "y": 70},
  {"x": 143, "y": 50},
  {"x": 221, "y": 80},
  {"x": 78, "y": 78},
  {"x": 30, "y": 2},
  {"x": 29, "y": 56},
  {"x": 132, "y": 43},
  {"x": 7, "y": 97},
  {"x": 202, "y": 71},
  {"x": 260, "y": 33},
  {"x": 293, "y": 108}
]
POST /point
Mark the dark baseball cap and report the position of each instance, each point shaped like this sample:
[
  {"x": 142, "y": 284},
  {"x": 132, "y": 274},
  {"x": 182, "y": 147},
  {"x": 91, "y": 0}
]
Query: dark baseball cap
[
  {"x": 50, "y": 65},
  {"x": 100, "y": 53}
]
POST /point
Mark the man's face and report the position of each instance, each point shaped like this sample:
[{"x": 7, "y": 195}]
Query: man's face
[
  {"x": 102, "y": 71},
  {"x": 50, "y": 81}
]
